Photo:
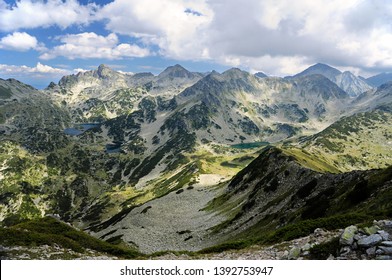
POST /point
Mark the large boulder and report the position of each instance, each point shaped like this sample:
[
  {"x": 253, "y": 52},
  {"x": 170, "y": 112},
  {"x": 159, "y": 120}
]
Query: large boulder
[
  {"x": 371, "y": 230},
  {"x": 370, "y": 241},
  {"x": 347, "y": 237}
]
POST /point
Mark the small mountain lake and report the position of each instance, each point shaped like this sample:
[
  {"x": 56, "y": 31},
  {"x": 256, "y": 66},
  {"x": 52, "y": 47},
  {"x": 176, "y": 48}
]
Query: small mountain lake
[
  {"x": 80, "y": 128},
  {"x": 251, "y": 145}
]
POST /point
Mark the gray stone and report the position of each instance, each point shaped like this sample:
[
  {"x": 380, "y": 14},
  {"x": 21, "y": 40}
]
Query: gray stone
[
  {"x": 305, "y": 253},
  {"x": 371, "y": 230},
  {"x": 364, "y": 257},
  {"x": 361, "y": 231},
  {"x": 331, "y": 257},
  {"x": 370, "y": 241},
  {"x": 347, "y": 237},
  {"x": 358, "y": 236},
  {"x": 306, "y": 247},
  {"x": 383, "y": 257},
  {"x": 345, "y": 250},
  {"x": 386, "y": 243},
  {"x": 319, "y": 232},
  {"x": 294, "y": 253},
  {"x": 384, "y": 234},
  {"x": 371, "y": 251},
  {"x": 387, "y": 223},
  {"x": 379, "y": 252},
  {"x": 386, "y": 250}
]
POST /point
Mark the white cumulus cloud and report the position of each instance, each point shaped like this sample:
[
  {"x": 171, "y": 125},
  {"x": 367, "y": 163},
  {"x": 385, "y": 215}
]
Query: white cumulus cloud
[
  {"x": 20, "y": 41},
  {"x": 40, "y": 68},
  {"x": 39, "y": 75},
  {"x": 32, "y": 14},
  {"x": 263, "y": 35},
  {"x": 259, "y": 35},
  {"x": 177, "y": 27},
  {"x": 91, "y": 45}
]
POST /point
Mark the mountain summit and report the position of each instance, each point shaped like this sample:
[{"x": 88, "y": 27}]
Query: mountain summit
[
  {"x": 104, "y": 71},
  {"x": 347, "y": 81},
  {"x": 322, "y": 69},
  {"x": 176, "y": 71}
]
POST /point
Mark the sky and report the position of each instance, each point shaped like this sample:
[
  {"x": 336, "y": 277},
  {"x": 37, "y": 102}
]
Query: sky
[{"x": 41, "y": 41}]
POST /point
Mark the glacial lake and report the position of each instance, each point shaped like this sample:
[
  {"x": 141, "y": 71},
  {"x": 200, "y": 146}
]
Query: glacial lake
[
  {"x": 251, "y": 145},
  {"x": 80, "y": 128}
]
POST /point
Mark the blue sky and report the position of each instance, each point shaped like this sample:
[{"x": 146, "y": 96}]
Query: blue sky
[{"x": 40, "y": 41}]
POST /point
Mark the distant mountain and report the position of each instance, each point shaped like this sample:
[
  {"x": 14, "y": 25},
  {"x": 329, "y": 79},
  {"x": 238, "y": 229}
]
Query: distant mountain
[
  {"x": 350, "y": 83},
  {"x": 260, "y": 75},
  {"x": 322, "y": 69},
  {"x": 177, "y": 71},
  {"x": 372, "y": 99},
  {"x": 379, "y": 79},
  {"x": 347, "y": 81},
  {"x": 30, "y": 117},
  {"x": 12, "y": 89},
  {"x": 246, "y": 107}
]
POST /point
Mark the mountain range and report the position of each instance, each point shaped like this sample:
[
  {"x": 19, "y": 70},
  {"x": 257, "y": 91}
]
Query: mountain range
[{"x": 187, "y": 161}]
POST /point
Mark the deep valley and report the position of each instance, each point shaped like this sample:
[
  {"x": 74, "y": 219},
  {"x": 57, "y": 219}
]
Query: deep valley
[{"x": 107, "y": 164}]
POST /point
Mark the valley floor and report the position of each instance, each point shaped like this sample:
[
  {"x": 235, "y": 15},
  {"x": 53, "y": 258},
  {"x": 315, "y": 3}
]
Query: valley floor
[{"x": 174, "y": 222}]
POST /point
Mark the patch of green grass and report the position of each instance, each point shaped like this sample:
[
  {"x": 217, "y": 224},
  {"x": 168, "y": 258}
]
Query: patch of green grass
[
  {"x": 289, "y": 232},
  {"x": 229, "y": 164},
  {"x": 324, "y": 250},
  {"x": 49, "y": 231},
  {"x": 5, "y": 92},
  {"x": 307, "y": 227},
  {"x": 115, "y": 240},
  {"x": 310, "y": 161}
]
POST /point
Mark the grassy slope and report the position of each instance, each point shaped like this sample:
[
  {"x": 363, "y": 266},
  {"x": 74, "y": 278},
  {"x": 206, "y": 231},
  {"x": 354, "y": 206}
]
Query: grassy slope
[
  {"x": 352, "y": 203},
  {"x": 49, "y": 231},
  {"x": 359, "y": 142}
]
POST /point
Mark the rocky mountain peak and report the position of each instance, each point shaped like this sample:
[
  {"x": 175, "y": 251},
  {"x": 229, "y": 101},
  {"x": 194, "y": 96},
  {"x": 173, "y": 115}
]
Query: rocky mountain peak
[
  {"x": 322, "y": 69},
  {"x": 104, "y": 71},
  {"x": 379, "y": 79},
  {"x": 176, "y": 71},
  {"x": 236, "y": 74},
  {"x": 347, "y": 81},
  {"x": 350, "y": 83},
  {"x": 261, "y": 75}
]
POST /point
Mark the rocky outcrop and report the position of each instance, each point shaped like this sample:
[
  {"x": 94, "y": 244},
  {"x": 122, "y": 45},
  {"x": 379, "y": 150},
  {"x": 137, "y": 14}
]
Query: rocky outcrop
[{"x": 374, "y": 242}]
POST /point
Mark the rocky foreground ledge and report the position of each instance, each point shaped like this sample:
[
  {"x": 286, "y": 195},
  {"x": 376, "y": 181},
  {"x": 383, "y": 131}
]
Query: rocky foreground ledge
[
  {"x": 352, "y": 243},
  {"x": 374, "y": 242},
  {"x": 366, "y": 242}
]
